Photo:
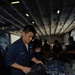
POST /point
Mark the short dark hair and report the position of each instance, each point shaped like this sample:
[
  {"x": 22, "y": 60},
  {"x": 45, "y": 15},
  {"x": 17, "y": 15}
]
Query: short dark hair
[
  {"x": 70, "y": 38},
  {"x": 29, "y": 28},
  {"x": 56, "y": 41}
]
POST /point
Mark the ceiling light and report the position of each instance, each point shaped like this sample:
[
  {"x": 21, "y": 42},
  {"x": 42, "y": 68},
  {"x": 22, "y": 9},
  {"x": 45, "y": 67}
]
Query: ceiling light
[
  {"x": 3, "y": 28},
  {"x": 15, "y": 2},
  {"x": 58, "y": 11},
  {"x": 32, "y": 22},
  {"x": 27, "y": 15}
]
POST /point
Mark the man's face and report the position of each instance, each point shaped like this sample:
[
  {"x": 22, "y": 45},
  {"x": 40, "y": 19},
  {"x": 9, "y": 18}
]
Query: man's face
[{"x": 27, "y": 37}]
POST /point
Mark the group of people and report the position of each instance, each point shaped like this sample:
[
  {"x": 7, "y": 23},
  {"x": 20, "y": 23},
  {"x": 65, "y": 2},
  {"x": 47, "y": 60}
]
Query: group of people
[
  {"x": 69, "y": 52},
  {"x": 24, "y": 50},
  {"x": 41, "y": 50}
]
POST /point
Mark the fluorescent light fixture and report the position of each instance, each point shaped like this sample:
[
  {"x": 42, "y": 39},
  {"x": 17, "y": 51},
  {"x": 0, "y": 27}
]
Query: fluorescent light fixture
[
  {"x": 32, "y": 22},
  {"x": 27, "y": 15},
  {"x": 15, "y": 2},
  {"x": 58, "y": 11}
]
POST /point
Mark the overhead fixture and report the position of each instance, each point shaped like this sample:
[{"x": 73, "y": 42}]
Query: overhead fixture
[
  {"x": 3, "y": 28},
  {"x": 27, "y": 15},
  {"x": 2, "y": 22},
  {"x": 15, "y": 2},
  {"x": 32, "y": 22},
  {"x": 58, "y": 11}
]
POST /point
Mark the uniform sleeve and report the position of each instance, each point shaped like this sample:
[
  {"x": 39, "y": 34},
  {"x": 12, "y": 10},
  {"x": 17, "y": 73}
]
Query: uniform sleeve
[{"x": 10, "y": 56}]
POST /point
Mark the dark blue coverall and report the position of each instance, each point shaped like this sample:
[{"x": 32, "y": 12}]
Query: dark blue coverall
[{"x": 18, "y": 53}]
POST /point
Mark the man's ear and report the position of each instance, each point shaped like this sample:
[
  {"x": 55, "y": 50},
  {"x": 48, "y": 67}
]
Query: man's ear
[{"x": 23, "y": 33}]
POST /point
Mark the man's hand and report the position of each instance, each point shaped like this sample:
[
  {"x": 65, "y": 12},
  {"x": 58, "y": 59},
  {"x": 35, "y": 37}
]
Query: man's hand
[
  {"x": 36, "y": 61},
  {"x": 26, "y": 70},
  {"x": 37, "y": 50},
  {"x": 39, "y": 62},
  {"x": 23, "y": 68}
]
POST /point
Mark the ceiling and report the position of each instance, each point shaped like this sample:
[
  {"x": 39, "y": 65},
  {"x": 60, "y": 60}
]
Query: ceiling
[{"x": 42, "y": 14}]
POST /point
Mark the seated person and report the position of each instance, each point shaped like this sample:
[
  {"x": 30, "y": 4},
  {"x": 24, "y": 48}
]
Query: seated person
[
  {"x": 46, "y": 49},
  {"x": 37, "y": 47},
  {"x": 71, "y": 48},
  {"x": 46, "y": 46},
  {"x": 57, "y": 49}
]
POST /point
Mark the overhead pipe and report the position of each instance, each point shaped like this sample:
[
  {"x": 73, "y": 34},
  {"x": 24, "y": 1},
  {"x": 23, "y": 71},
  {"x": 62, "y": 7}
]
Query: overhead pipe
[
  {"x": 32, "y": 16},
  {"x": 45, "y": 32},
  {"x": 66, "y": 19},
  {"x": 17, "y": 12},
  {"x": 10, "y": 21},
  {"x": 13, "y": 17}
]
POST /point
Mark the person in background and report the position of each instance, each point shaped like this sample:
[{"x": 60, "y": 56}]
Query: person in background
[
  {"x": 38, "y": 48},
  {"x": 40, "y": 43},
  {"x": 21, "y": 52},
  {"x": 46, "y": 49},
  {"x": 36, "y": 42},
  {"x": 46, "y": 46},
  {"x": 71, "y": 48},
  {"x": 57, "y": 49}
]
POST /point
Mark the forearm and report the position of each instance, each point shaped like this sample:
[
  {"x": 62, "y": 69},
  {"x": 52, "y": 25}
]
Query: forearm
[
  {"x": 34, "y": 60},
  {"x": 23, "y": 68},
  {"x": 17, "y": 66}
]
